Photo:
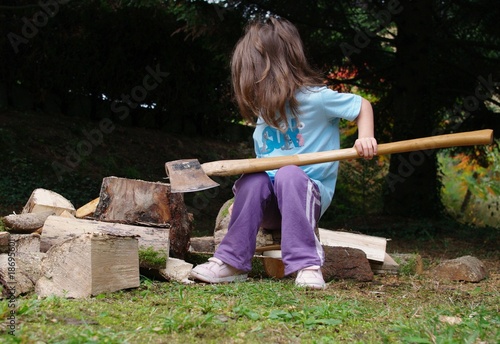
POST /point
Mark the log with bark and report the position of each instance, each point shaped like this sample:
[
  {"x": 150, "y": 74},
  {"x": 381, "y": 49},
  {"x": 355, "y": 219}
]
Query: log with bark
[
  {"x": 25, "y": 243},
  {"x": 138, "y": 202},
  {"x": 27, "y": 222}
]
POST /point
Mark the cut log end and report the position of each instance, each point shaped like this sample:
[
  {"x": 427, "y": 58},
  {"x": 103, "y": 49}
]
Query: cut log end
[{"x": 89, "y": 265}]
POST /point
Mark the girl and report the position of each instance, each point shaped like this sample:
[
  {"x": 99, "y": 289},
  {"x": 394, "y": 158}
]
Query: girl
[{"x": 295, "y": 113}]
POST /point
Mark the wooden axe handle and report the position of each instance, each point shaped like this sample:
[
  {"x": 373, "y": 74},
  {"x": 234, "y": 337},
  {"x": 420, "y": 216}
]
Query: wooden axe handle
[{"x": 240, "y": 166}]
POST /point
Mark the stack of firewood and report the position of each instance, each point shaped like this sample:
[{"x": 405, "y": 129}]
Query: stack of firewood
[{"x": 133, "y": 226}]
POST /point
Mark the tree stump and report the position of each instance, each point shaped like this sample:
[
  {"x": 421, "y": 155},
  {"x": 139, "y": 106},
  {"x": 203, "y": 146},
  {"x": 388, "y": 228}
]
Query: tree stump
[{"x": 138, "y": 202}]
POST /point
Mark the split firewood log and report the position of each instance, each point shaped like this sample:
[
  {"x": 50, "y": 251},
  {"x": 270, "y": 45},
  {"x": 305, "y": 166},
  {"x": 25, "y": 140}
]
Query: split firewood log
[
  {"x": 19, "y": 273},
  {"x": 88, "y": 265},
  {"x": 44, "y": 200},
  {"x": 87, "y": 209}
]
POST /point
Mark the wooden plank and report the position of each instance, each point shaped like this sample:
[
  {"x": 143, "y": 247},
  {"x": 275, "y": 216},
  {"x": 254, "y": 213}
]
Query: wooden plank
[
  {"x": 388, "y": 266},
  {"x": 177, "y": 270},
  {"x": 374, "y": 247}
]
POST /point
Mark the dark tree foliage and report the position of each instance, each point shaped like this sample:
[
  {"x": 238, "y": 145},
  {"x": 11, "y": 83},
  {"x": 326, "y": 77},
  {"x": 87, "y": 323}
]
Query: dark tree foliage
[
  {"x": 117, "y": 55},
  {"x": 431, "y": 67}
]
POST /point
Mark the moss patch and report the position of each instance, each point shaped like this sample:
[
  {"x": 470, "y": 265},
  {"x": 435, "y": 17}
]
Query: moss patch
[{"x": 153, "y": 259}]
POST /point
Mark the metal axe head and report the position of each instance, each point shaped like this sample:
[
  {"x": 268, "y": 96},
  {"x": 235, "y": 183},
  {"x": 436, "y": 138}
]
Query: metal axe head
[{"x": 188, "y": 176}]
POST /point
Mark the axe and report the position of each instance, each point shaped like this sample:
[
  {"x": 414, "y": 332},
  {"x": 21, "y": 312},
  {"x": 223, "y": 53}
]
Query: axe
[{"x": 190, "y": 176}]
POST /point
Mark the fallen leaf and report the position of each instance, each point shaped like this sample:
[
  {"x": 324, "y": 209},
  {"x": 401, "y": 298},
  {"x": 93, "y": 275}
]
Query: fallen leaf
[{"x": 450, "y": 320}]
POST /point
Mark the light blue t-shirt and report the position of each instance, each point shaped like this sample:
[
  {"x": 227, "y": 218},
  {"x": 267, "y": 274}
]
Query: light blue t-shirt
[{"x": 317, "y": 129}]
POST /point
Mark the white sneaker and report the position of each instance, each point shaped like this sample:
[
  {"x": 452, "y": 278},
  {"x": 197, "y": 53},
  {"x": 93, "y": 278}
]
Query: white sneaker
[
  {"x": 310, "y": 277},
  {"x": 216, "y": 271}
]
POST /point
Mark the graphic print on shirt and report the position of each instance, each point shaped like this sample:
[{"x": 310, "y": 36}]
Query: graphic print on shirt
[{"x": 273, "y": 139}]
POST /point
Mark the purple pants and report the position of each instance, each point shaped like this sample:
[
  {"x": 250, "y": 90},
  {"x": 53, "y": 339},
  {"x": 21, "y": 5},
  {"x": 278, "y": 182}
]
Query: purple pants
[{"x": 292, "y": 203}]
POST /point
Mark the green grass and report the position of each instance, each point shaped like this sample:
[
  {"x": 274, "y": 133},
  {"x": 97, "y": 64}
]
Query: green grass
[{"x": 391, "y": 309}]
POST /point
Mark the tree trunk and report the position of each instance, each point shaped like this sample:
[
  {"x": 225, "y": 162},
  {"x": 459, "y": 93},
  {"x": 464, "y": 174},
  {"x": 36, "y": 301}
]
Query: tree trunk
[{"x": 412, "y": 187}]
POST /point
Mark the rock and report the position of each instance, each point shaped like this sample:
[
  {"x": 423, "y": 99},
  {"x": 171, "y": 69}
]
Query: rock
[
  {"x": 264, "y": 237},
  {"x": 346, "y": 263},
  {"x": 466, "y": 268},
  {"x": 222, "y": 222},
  {"x": 202, "y": 244}
]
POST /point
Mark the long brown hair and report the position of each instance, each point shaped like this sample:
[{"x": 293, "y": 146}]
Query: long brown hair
[{"x": 267, "y": 67}]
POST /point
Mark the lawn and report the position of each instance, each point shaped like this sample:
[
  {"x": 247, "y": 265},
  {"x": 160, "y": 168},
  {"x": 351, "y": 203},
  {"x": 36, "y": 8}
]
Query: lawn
[{"x": 406, "y": 308}]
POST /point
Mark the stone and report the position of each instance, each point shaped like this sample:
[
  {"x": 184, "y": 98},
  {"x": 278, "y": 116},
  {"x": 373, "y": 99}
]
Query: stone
[
  {"x": 264, "y": 237},
  {"x": 202, "y": 244},
  {"x": 466, "y": 268},
  {"x": 222, "y": 222}
]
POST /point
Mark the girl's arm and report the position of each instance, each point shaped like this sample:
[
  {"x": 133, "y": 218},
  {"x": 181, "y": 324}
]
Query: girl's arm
[{"x": 366, "y": 144}]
